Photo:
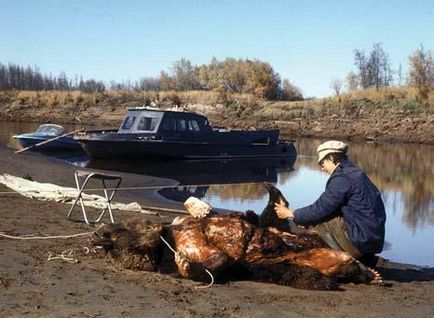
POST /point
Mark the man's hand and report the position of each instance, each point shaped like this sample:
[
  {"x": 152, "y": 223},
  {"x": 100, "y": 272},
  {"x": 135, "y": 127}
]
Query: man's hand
[{"x": 282, "y": 211}]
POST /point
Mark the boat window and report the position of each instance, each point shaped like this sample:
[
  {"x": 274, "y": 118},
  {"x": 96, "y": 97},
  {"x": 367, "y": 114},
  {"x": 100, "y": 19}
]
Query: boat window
[
  {"x": 261, "y": 141},
  {"x": 193, "y": 125},
  {"x": 181, "y": 124},
  {"x": 169, "y": 124},
  {"x": 128, "y": 122},
  {"x": 147, "y": 123},
  {"x": 50, "y": 129}
]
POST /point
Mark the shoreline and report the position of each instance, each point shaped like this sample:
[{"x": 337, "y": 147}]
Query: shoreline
[{"x": 371, "y": 117}]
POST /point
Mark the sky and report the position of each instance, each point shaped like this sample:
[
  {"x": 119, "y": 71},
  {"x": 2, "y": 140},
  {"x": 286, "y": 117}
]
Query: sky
[{"x": 307, "y": 42}]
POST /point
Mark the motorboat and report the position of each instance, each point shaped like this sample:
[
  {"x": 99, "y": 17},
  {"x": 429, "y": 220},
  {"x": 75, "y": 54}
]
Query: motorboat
[
  {"x": 151, "y": 132},
  {"x": 48, "y": 137}
]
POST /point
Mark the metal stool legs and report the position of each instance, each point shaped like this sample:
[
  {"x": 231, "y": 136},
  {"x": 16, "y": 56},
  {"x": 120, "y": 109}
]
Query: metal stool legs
[{"x": 81, "y": 187}]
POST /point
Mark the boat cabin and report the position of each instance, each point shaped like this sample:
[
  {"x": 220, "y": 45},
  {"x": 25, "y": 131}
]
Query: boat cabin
[{"x": 148, "y": 120}]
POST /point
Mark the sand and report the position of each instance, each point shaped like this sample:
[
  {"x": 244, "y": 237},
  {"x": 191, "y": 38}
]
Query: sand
[{"x": 33, "y": 286}]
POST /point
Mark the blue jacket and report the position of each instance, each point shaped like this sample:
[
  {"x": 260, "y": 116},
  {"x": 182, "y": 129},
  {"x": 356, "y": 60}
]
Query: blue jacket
[{"x": 350, "y": 193}]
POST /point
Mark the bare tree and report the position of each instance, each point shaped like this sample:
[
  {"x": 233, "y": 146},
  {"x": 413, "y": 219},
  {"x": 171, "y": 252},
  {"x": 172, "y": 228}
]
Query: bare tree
[
  {"x": 148, "y": 84},
  {"x": 352, "y": 81},
  {"x": 400, "y": 76},
  {"x": 374, "y": 69},
  {"x": 336, "y": 85},
  {"x": 167, "y": 83},
  {"x": 361, "y": 62},
  {"x": 421, "y": 72}
]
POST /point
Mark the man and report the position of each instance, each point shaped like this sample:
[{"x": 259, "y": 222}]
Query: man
[{"x": 349, "y": 215}]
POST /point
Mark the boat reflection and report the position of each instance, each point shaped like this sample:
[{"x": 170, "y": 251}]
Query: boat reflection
[{"x": 195, "y": 177}]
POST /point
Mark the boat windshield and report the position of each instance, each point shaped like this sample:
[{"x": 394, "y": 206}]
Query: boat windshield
[
  {"x": 128, "y": 122},
  {"x": 50, "y": 129},
  {"x": 147, "y": 123}
]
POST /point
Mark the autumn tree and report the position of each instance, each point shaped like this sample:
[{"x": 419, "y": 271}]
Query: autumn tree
[
  {"x": 185, "y": 75},
  {"x": 261, "y": 80},
  {"x": 421, "y": 73},
  {"x": 211, "y": 76},
  {"x": 233, "y": 75},
  {"x": 290, "y": 92},
  {"x": 167, "y": 83}
]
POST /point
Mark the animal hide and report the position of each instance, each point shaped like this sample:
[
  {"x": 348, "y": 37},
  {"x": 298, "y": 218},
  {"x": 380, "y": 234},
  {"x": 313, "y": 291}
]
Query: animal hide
[{"x": 233, "y": 245}]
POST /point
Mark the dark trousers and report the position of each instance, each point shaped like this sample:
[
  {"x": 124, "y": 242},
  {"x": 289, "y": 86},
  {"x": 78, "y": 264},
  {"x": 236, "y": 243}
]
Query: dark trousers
[{"x": 334, "y": 233}]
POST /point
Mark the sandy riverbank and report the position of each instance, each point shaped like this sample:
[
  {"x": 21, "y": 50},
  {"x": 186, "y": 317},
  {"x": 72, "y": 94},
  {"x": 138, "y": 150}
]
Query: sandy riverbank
[
  {"x": 389, "y": 115},
  {"x": 31, "y": 286}
]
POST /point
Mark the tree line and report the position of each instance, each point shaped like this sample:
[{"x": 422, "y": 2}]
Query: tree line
[
  {"x": 373, "y": 70},
  {"x": 243, "y": 76},
  {"x": 17, "y": 77},
  {"x": 228, "y": 76}
]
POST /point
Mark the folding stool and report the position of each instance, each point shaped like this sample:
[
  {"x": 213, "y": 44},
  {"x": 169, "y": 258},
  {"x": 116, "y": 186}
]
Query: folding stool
[{"x": 88, "y": 175}]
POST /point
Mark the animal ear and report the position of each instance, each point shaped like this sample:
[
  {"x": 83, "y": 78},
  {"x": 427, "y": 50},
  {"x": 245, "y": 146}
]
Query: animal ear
[{"x": 275, "y": 194}]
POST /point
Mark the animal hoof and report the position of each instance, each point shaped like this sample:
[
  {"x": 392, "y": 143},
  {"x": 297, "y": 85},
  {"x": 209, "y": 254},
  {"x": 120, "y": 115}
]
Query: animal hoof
[
  {"x": 182, "y": 262},
  {"x": 376, "y": 278},
  {"x": 197, "y": 208}
]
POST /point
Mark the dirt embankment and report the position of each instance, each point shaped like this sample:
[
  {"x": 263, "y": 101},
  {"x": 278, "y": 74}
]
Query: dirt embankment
[{"x": 386, "y": 117}]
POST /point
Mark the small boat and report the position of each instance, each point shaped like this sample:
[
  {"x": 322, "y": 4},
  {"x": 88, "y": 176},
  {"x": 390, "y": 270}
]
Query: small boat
[
  {"x": 44, "y": 133},
  {"x": 151, "y": 132}
]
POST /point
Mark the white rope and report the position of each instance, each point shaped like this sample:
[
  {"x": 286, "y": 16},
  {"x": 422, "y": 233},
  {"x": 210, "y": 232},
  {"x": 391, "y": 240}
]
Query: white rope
[
  {"x": 62, "y": 256},
  {"x": 66, "y": 255},
  {"x": 210, "y": 284},
  {"x": 207, "y": 271},
  {"x": 168, "y": 245},
  {"x": 134, "y": 188},
  {"x": 29, "y": 237}
]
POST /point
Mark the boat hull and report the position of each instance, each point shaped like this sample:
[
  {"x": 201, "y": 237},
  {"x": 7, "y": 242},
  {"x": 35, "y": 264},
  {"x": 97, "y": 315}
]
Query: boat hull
[
  {"x": 64, "y": 143},
  {"x": 184, "y": 150}
]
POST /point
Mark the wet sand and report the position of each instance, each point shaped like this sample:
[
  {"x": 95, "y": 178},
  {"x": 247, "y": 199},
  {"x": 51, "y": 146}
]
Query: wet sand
[{"x": 32, "y": 286}]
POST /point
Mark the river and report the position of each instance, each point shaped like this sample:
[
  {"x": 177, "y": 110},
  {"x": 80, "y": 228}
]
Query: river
[{"x": 404, "y": 173}]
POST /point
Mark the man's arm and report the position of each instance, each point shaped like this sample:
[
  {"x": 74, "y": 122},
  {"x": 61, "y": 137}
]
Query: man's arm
[{"x": 328, "y": 204}]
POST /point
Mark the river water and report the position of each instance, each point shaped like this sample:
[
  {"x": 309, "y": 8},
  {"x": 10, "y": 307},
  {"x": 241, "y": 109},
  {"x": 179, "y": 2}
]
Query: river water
[{"x": 404, "y": 173}]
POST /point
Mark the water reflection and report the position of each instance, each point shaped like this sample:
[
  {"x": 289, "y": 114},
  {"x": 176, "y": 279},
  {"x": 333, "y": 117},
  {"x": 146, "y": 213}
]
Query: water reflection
[
  {"x": 406, "y": 168},
  {"x": 195, "y": 177}
]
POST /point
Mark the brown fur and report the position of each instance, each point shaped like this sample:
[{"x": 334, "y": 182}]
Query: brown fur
[{"x": 134, "y": 244}]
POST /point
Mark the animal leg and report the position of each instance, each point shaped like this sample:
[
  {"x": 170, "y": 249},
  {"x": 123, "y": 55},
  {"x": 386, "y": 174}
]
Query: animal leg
[
  {"x": 197, "y": 208},
  {"x": 198, "y": 270},
  {"x": 302, "y": 277}
]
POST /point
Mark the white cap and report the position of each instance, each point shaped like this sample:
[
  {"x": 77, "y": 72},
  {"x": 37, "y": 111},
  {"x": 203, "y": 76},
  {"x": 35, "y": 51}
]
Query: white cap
[{"x": 331, "y": 146}]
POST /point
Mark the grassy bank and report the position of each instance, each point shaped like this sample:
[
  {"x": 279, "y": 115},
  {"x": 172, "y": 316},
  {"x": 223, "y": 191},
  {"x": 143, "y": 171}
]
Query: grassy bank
[{"x": 386, "y": 114}]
